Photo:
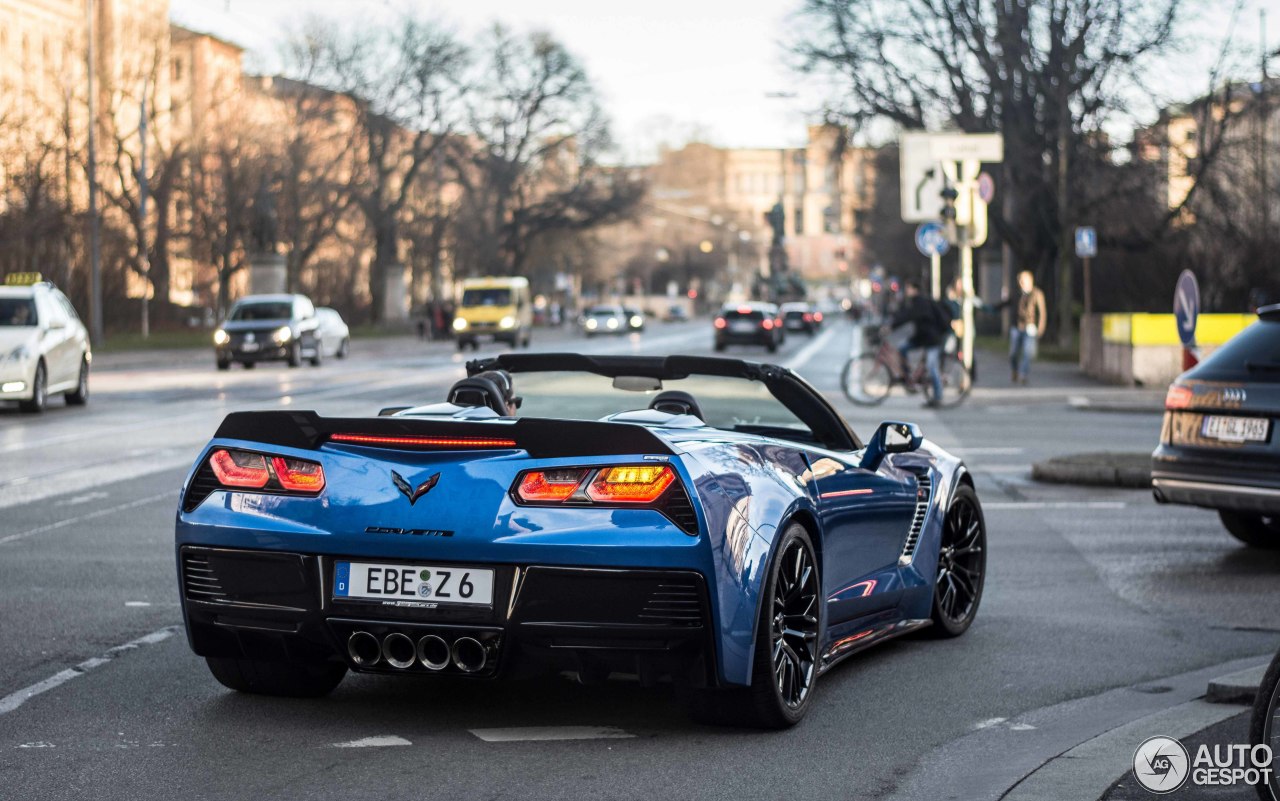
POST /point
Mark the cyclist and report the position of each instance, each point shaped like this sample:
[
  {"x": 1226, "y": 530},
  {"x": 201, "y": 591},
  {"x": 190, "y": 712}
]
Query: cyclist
[{"x": 930, "y": 334}]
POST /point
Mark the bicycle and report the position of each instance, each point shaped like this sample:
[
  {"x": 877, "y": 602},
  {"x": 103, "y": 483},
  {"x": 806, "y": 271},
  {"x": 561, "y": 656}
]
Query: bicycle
[{"x": 867, "y": 379}]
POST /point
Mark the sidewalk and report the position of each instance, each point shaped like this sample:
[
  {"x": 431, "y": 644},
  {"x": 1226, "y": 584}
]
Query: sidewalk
[{"x": 1058, "y": 382}]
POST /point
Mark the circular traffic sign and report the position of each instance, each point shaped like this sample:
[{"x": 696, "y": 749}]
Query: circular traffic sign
[
  {"x": 986, "y": 187},
  {"x": 931, "y": 239},
  {"x": 1186, "y": 307}
]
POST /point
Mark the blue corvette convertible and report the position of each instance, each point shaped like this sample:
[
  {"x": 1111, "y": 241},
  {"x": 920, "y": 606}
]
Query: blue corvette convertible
[{"x": 707, "y": 521}]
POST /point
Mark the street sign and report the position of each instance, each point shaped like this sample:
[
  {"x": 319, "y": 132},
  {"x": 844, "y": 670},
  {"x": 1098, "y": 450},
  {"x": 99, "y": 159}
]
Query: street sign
[
  {"x": 921, "y": 156},
  {"x": 931, "y": 239},
  {"x": 1086, "y": 242},
  {"x": 1186, "y": 307},
  {"x": 986, "y": 187}
]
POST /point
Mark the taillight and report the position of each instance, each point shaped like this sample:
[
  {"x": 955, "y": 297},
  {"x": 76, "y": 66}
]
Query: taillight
[
  {"x": 240, "y": 469},
  {"x": 808, "y": 318},
  {"x": 766, "y": 324},
  {"x": 720, "y": 322},
  {"x": 549, "y": 486},
  {"x": 630, "y": 484},
  {"x": 1178, "y": 397},
  {"x": 297, "y": 475},
  {"x": 744, "y": 310},
  {"x": 817, "y": 316}
]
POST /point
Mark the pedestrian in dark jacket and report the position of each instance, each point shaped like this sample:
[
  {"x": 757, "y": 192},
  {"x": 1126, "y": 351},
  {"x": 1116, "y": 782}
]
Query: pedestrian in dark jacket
[{"x": 930, "y": 334}]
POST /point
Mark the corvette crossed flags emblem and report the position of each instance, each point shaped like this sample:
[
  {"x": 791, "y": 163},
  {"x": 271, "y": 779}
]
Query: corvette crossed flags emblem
[{"x": 410, "y": 492}]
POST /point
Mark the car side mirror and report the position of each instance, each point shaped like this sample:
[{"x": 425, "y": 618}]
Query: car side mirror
[{"x": 891, "y": 437}]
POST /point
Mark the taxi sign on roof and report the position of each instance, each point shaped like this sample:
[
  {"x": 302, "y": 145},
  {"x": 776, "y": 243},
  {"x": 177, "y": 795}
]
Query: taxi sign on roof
[{"x": 23, "y": 279}]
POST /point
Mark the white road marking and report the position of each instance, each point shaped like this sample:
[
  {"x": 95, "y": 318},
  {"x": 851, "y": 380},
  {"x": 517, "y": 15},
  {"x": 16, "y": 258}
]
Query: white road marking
[
  {"x": 374, "y": 742},
  {"x": 85, "y": 498},
  {"x": 988, "y": 723},
  {"x": 1021, "y": 727},
  {"x": 137, "y": 603},
  {"x": 71, "y": 521},
  {"x": 16, "y": 699},
  {"x": 806, "y": 353},
  {"x": 1055, "y": 505},
  {"x": 961, "y": 450},
  {"x": 546, "y": 733}
]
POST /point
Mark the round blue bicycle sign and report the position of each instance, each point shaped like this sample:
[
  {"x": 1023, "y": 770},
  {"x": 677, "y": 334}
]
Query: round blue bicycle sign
[{"x": 931, "y": 239}]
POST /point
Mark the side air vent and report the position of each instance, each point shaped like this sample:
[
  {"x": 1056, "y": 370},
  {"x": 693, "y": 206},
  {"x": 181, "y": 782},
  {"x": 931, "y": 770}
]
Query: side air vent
[
  {"x": 203, "y": 484},
  {"x": 680, "y": 510},
  {"x": 673, "y": 604},
  {"x": 199, "y": 581},
  {"x": 924, "y": 489}
]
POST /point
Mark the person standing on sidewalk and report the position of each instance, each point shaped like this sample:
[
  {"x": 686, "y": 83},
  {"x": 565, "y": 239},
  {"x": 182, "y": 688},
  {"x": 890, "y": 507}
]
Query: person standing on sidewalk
[{"x": 1028, "y": 322}]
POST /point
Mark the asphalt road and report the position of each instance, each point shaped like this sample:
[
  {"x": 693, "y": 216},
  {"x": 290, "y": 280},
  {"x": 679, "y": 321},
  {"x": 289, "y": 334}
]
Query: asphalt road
[{"x": 1088, "y": 590}]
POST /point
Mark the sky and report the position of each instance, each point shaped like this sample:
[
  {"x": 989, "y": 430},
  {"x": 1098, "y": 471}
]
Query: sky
[{"x": 669, "y": 70}]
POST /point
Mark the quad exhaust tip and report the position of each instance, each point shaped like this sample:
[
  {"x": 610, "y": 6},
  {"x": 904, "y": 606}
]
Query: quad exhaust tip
[
  {"x": 398, "y": 650},
  {"x": 433, "y": 652},
  {"x": 363, "y": 649},
  {"x": 469, "y": 655}
]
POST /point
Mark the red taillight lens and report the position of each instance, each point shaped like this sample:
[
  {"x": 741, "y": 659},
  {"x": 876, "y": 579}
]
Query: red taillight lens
[
  {"x": 543, "y": 486},
  {"x": 808, "y": 318},
  {"x": 631, "y": 484},
  {"x": 744, "y": 310},
  {"x": 766, "y": 324},
  {"x": 817, "y": 316},
  {"x": 296, "y": 475},
  {"x": 240, "y": 469},
  {"x": 1178, "y": 397},
  {"x": 720, "y": 322}
]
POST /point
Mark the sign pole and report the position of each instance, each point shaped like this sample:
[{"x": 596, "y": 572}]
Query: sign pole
[
  {"x": 966, "y": 279},
  {"x": 935, "y": 275},
  {"x": 1088, "y": 287}
]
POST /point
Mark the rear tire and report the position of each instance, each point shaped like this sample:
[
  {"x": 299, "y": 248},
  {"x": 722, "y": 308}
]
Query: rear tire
[
  {"x": 248, "y": 365},
  {"x": 80, "y": 396},
  {"x": 773, "y": 347},
  {"x": 290, "y": 679},
  {"x": 1262, "y": 726},
  {"x": 318, "y": 359},
  {"x": 784, "y": 669},
  {"x": 344, "y": 348},
  {"x": 39, "y": 392},
  {"x": 1256, "y": 531},
  {"x": 720, "y": 346}
]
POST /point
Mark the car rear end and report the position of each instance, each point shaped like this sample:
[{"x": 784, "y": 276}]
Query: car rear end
[
  {"x": 472, "y": 549},
  {"x": 1218, "y": 447},
  {"x": 747, "y": 325}
]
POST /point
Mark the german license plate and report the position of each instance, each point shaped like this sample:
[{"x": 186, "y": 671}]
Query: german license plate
[
  {"x": 742, "y": 327},
  {"x": 249, "y": 347},
  {"x": 454, "y": 585},
  {"x": 1235, "y": 429}
]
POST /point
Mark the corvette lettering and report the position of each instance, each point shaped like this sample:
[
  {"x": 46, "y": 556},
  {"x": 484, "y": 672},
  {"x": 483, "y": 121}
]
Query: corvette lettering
[{"x": 416, "y": 532}]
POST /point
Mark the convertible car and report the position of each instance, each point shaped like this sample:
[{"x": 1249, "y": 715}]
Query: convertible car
[{"x": 707, "y": 521}]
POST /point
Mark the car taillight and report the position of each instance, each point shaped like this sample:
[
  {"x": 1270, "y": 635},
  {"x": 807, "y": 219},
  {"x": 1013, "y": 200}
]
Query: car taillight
[
  {"x": 549, "y": 486},
  {"x": 766, "y": 324},
  {"x": 720, "y": 322},
  {"x": 744, "y": 310},
  {"x": 240, "y": 469},
  {"x": 1178, "y": 397},
  {"x": 817, "y": 316},
  {"x": 808, "y": 318},
  {"x": 297, "y": 475},
  {"x": 630, "y": 484}
]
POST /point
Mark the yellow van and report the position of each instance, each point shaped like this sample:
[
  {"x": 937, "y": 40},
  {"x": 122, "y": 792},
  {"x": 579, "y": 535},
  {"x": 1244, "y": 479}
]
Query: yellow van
[{"x": 497, "y": 309}]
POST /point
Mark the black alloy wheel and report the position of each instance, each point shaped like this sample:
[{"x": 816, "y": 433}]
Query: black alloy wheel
[
  {"x": 39, "y": 392},
  {"x": 962, "y": 565},
  {"x": 1264, "y": 726},
  {"x": 793, "y": 635}
]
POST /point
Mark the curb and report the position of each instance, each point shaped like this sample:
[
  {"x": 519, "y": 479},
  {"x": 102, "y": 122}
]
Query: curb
[
  {"x": 1081, "y": 403},
  {"x": 1240, "y": 687},
  {"x": 1108, "y": 469}
]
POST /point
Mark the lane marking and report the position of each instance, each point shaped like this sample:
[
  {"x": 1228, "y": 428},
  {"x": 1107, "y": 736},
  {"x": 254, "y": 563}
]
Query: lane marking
[
  {"x": 16, "y": 699},
  {"x": 806, "y": 353},
  {"x": 549, "y": 733},
  {"x": 137, "y": 603},
  {"x": 961, "y": 450},
  {"x": 1055, "y": 505},
  {"x": 85, "y": 498},
  {"x": 70, "y": 521},
  {"x": 988, "y": 723},
  {"x": 374, "y": 742}
]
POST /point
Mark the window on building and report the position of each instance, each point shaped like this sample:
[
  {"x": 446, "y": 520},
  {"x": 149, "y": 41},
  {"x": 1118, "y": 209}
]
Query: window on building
[{"x": 799, "y": 222}]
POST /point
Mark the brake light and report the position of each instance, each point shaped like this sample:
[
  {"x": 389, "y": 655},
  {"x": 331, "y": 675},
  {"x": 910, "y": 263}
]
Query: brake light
[
  {"x": 817, "y": 316},
  {"x": 1178, "y": 397},
  {"x": 744, "y": 310},
  {"x": 766, "y": 324},
  {"x": 808, "y": 318},
  {"x": 631, "y": 484},
  {"x": 422, "y": 442},
  {"x": 296, "y": 475},
  {"x": 240, "y": 469},
  {"x": 542, "y": 486},
  {"x": 720, "y": 322}
]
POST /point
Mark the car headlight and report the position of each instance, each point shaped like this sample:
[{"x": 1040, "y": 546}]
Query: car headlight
[
  {"x": 612, "y": 322},
  {"x": 459, "y": 324},
  {"x": 592, "y": 324},
  {"x": 282, "y": 334},
  {"x": 221, "y": 337},
  {"x": 507, "y": 322},
  {"x": 637, "y": 321}
]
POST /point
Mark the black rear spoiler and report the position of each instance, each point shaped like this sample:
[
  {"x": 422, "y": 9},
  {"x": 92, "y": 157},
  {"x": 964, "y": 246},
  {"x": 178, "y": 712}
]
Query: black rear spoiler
[{"x": 541, "y": 438}]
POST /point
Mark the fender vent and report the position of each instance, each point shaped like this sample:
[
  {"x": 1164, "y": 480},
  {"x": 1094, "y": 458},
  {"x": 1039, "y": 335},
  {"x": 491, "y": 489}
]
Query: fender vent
[
  {"x": 199, "y": 582},
  {"x": 924, "y": 488}
]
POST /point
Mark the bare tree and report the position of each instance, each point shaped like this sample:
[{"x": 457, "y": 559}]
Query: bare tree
[{"x": 1046, "y": 75}]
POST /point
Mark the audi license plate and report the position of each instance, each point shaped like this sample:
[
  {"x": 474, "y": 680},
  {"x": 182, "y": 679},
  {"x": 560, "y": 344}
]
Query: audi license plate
[
  {"x": 455, "y": 585},
  {"x": 1235, "y": 429}
]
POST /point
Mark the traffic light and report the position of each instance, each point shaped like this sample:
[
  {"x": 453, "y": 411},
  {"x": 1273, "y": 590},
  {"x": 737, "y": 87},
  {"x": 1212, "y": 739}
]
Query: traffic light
[{"x": 949, "y": 195}]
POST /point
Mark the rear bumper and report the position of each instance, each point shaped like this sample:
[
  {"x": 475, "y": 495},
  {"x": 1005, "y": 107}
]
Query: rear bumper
[
  {"x": 275, "y": 605},
  {"x": 754, "y": 338},
  {"x": 267, "y": 354},
  {"x": 1236, "y": 484}
]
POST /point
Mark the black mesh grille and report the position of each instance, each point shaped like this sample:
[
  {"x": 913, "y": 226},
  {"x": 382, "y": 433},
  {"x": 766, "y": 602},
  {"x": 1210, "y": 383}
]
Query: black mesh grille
[
  {"x": 675, "y": 602},
  {"x": 199, "y": 580},
  {"x": 203, "y": 483},
  {"x": 680, "y": 510}
]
